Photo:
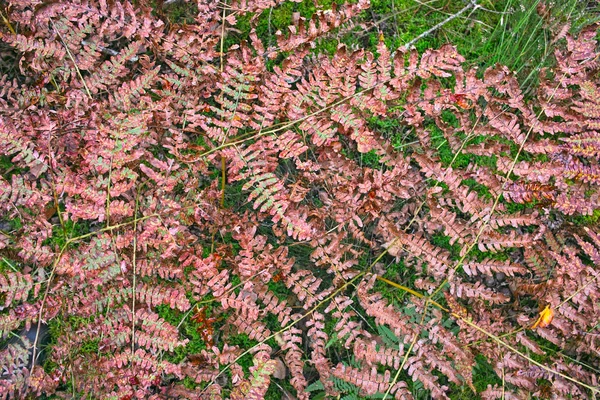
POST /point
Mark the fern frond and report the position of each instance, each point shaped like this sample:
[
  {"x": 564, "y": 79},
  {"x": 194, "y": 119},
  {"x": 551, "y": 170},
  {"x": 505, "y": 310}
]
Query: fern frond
[
  {"x": 585, "y": 144},
  {"x": 157, "y": 295},
  {"x": 23, "y": 152},
  {"x": 417, "y": 246},
  {"x": 319, "y": 24},
  {"x": 440, "y": 62},
  {"x": 130, "y": 92},
  {"x": 255, "y": 388},
  {"x": 489, "y": 266},
  {"x": 371, "y": 382},
  {"x": 15, "y": 287},
  {"x": 495, "y": 242}
]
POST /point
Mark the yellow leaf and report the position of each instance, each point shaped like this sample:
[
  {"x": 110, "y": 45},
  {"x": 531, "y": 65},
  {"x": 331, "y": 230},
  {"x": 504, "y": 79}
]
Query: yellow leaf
[{"x": 545, "y": 318}]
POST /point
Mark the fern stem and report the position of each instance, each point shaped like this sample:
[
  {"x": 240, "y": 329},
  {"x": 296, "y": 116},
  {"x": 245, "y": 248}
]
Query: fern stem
[
  {"x": 7, "y": 262},
  {"x": 289, "y": 124},
  {"x": 407, "y": 354},
  {"x": 134, "y": 271},
  {"x": 577, "y": 291},
  {"x": 108, "y": 189},
  {"x": 7, "y": 23},
  {"x": 221, "y": 66},
  {"x": 286, "y": 125},
  {"x": 87, "y": 90},
  {"x": 507, "y": 334},
  {"x": 112, "y": 228},
  {"x": 43, "y": 303},
  {"x": 413, "y": 292},
  {"x": 223, "y": 165},
  {"x": 68, "y": 242}
]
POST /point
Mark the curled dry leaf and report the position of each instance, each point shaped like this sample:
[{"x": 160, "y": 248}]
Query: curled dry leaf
[{"x": 545, "y": 318}]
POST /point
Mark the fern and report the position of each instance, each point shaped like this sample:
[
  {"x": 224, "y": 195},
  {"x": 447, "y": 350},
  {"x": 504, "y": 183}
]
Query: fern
[{"x": 177, "y": 207}]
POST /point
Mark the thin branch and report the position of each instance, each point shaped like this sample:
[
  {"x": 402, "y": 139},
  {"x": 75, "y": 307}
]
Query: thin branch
[
  {"x": 134, "y": 272},
  {"x": 472, "y": 5},
  {"x": 87, "y": 90},
  {"x": 7, "y": 23}
]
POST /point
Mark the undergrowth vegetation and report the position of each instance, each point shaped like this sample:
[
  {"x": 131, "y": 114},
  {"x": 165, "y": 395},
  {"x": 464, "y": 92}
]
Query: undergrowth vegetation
[{"x": 299, "y": 200}]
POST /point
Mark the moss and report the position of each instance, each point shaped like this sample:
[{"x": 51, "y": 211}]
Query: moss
[
  {"x": 450, "y": 118},
  {"x": 480, "y": 189},
  {"x": 400, "y": 273},
  {"x": 587, "y": 220},
  {"x": 233, "y": 193},
  {"x": 188, "y": 327},
  {"x": 370, "y": 159},
  {"x": 447, "y": 156},
  {"x": 6, "y": 265},
  {"x": 483, "y": 374},
  {"x": 279, "y": 18},
  {"x": 244, "y": 342},
  {"x": 277, "y": 388},
  {"x": 56, "y": 329},
  {"x": 7, "y": 168},
  {"x": 89, "y": 346},
  {"x": 443, "y": 241},
  {"x": 278, "y": 288},
  {"x": 189, "y": 383},
  {"x": 388, "y": 127},
  {"x": 513, "y": 208},
  {"x": 69, "y": 230}
]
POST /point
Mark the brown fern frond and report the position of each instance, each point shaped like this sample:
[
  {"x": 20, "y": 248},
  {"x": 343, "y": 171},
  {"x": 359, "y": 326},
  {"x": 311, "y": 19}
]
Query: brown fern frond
[{"x": 320, "y": 23}]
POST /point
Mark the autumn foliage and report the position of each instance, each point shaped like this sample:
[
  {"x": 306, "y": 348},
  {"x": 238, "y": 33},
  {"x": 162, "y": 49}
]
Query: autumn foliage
[{"x": 157, "y": 192}]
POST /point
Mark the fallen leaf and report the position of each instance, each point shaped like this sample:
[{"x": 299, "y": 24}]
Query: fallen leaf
[
  {"x": 545, "y": 318},
  {"x": 280, "y": 370}
]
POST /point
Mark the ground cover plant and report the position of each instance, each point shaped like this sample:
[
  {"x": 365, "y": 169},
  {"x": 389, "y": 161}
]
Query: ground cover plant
[{"x": 237, "y": 200}]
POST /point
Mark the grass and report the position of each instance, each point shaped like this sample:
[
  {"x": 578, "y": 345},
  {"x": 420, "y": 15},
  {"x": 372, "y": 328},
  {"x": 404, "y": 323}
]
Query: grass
[{"x": 523, "y": 40}]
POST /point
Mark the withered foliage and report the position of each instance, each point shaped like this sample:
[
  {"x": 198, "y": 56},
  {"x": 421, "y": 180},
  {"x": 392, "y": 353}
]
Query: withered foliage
[{"x": 119, "y": 126}]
